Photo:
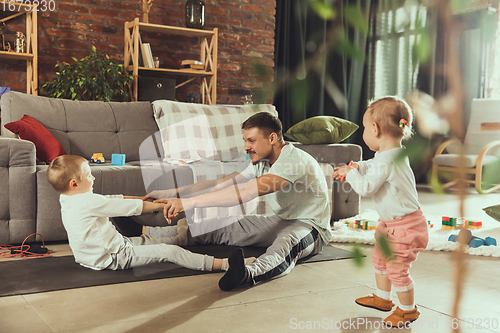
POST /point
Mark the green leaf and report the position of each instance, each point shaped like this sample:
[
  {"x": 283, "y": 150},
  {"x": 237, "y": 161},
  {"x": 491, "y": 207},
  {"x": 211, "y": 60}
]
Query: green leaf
[
  {"x": 490, "y": 175},
  {"x": 385, "y": 247},
  {"x": 358, "y": 256},
  {"x": 459, "y": 5},
  {"x": 357, "y": 18},
  {"x": 322, "y": 9},
  {"x": 422, "y": 49},
  {"x": 344, "y": 46},
  {"x": 300, "y": 94}
]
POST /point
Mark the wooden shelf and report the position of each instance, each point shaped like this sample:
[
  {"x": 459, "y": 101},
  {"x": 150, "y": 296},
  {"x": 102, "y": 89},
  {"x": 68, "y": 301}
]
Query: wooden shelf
[
  {"x": 16, "y": 56},
  {"x": 180, "y": 72},
  {"x": 165, "y": 29},
  {"x": 208, "y": 56},
  {"x": 31, "y": 43}
]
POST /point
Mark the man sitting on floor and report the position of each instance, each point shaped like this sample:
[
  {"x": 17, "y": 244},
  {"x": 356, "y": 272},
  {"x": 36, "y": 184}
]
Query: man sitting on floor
[{"x": 295, "y": 189}]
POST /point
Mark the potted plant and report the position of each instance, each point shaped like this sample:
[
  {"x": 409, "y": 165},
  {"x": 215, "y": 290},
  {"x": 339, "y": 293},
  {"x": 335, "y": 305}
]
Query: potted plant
[{"x": 93, "y": 78}]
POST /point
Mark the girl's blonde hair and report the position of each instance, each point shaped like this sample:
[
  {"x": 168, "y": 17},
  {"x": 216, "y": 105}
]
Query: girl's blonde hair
[
  {"x": 64, "y": 168},
  {"x": 393, "y": 115}
]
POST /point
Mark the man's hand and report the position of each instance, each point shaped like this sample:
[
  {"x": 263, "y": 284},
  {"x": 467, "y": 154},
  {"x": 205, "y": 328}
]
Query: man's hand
[
  {"x": 165, "y": 194},
  {"x": 175, "y": 206}
]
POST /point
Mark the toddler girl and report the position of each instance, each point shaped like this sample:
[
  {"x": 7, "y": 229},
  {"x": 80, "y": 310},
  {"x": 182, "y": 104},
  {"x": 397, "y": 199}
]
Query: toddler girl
[{"x": 389, "y": 180}]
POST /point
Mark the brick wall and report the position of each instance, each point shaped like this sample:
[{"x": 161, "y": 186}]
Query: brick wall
[{"x": 246, "y": 34}]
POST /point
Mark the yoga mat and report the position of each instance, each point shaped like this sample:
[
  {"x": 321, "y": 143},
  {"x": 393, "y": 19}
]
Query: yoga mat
[{"x": 29, "y": 276}]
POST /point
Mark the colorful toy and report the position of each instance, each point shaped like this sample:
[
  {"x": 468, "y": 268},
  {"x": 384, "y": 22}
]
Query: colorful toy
[
  {"x": 431, "y": 225},
  {"x": 473, "y": 241},
  {"x": 452, "y": 223},
  {"x": 97, "y": 158},
  {"x": 362, "y": 224},
  {"x": 473, "y": 224},
  {"x": 117, "y": 159},
  {"x": 448, "y": 223}
]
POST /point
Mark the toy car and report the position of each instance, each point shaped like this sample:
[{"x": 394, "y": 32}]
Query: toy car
[{"x": 97, "y": 158}]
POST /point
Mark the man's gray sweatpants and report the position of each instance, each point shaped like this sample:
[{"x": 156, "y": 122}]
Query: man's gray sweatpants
[
  {"x": 143, "y": 250},
  {"x": 287, "y": 241}
]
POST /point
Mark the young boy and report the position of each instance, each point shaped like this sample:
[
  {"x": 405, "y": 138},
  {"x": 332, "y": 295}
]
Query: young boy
[{"x": 93, "y": 238}]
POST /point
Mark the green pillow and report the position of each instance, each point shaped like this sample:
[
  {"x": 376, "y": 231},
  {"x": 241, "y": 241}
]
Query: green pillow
[
  {"x": 321, "y": 130},
  {"x": 493, "y": 211}
]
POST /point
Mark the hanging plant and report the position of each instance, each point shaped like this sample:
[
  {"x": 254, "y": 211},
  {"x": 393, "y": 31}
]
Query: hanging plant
[{"x": 93, "y": 78}]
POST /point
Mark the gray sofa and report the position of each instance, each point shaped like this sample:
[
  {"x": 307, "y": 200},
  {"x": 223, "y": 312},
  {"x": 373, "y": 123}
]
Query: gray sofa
[{"x": 28, "y": 204}]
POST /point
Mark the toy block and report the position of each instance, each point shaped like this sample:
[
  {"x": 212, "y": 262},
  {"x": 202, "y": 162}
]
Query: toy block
[
  {"x": 473, "y": 224},
  {"x": 476, "y": 242},
  {"x": 362, "y": 224},
  {"x": 117, "y": 159},
  {"x": 451, "y": 223},
  {"x": 490, "y": 241}
]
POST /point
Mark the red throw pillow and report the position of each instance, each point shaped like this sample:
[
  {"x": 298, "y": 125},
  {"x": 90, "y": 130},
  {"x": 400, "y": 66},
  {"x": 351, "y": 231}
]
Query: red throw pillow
[{"x": 28, "y": 128}]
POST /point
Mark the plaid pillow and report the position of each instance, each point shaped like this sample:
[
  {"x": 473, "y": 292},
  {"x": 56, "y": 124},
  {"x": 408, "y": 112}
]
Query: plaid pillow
[
  {"x": 224, "y": 121},
  {"x": 189, "y": 139}
]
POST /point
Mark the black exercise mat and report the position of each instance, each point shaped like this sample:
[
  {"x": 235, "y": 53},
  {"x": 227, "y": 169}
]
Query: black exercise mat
[{"x": 29, "y": 276}]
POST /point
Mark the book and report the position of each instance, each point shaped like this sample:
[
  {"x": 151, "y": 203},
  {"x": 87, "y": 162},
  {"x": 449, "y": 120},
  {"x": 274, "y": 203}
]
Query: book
[
  {"x": 195, "y": 66},
  {"x": 149, "y": 55},
  {"x": 191, "y": 62},
  {"x": 141, "y": 47},
  {"x": 146, "y": 64}
]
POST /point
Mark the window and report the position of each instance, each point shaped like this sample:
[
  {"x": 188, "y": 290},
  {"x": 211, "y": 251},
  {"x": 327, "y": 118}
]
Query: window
[{"x": 392, "y": 70}]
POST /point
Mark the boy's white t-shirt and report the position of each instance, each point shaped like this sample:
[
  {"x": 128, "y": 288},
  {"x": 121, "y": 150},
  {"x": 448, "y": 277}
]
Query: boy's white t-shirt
[
  {"x": 92, "y": 237},
  {"x": 389, "y": 181}
]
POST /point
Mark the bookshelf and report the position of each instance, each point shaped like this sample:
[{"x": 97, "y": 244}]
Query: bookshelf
[
  {"x": 208, "y": 56},
  {"x": 31, "y": 42}
]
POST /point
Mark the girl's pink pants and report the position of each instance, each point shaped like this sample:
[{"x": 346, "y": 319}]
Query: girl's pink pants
[{"x": 406, "y": 237}]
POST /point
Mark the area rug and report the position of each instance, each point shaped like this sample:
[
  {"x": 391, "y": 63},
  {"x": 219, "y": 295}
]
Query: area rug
[
  {"x": 28, "y": 276},
  {"x": 438, "y": 238}
]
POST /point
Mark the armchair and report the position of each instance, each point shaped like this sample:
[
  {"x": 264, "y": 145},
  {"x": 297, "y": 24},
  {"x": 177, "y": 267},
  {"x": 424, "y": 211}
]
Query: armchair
[{"x": 481, "y": 146}]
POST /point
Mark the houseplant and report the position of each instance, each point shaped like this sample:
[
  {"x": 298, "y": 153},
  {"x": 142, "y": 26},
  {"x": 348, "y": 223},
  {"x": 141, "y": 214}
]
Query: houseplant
[{"x": 93, "y": 78}]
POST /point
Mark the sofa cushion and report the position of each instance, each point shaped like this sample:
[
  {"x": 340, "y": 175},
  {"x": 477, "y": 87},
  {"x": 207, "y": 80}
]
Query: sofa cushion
[
  {"x": 84, "y": 128},
  {"x": 321, "y": 130},
  {"x": 453, "y": 160},
  {"x": 28, "y": 128},
  {"x": 493, "y": 211},
  {"x": 224, "y": 120}
]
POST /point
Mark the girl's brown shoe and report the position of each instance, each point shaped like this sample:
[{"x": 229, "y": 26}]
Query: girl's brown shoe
[
  {"x": 373, "y": 301},
  {"x": 400, "y": 318}
]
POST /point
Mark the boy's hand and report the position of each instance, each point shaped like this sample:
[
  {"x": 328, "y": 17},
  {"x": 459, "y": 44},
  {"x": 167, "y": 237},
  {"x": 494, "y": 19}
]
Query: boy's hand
[
  {"x": 165, "y": 194},
  {"x": 174, "y": 206}
]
